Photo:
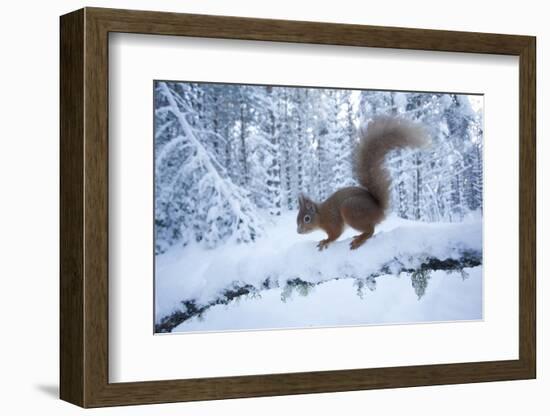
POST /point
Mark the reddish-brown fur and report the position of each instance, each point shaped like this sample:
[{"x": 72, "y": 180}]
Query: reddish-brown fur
[{"x": 361, "y": 208}]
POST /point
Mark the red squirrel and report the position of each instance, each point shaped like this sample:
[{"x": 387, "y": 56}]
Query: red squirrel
[{"x": 362, "y": 207}]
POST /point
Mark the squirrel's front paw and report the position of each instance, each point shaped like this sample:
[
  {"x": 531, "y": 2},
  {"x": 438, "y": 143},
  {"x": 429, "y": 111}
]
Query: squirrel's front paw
[
  {"x": 323, "y": 244},
  {"x": 355, "y": 244}
]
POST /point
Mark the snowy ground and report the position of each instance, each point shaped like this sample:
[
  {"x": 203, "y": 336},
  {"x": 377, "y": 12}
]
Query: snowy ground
[{"x": 201, "y": 275}]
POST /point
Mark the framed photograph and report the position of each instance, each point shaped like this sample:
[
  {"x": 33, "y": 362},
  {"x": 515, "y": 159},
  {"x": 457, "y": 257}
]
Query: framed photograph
[{"x": 255, "y": 207}]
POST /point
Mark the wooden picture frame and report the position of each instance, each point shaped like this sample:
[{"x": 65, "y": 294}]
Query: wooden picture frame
[{"x": 84, "y": 207}]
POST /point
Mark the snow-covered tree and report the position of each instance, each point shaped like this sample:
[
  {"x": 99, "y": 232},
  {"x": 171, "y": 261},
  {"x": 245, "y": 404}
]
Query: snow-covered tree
[{"x": 194, "y": 199}]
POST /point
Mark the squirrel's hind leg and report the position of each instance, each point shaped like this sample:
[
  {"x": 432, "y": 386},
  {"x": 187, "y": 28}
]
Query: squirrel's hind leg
[
  {"x": 361, "y": 213},
  {"x": 360, "y": 239}
]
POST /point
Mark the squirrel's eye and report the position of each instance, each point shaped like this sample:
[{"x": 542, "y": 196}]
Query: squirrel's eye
[{"x": 307, "y": 219}]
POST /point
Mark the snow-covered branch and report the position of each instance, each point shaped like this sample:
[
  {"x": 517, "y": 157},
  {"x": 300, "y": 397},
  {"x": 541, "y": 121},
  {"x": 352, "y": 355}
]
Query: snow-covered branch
[
  {"x": 406, "y": 249},
  {"x": 419, "y": 275}
]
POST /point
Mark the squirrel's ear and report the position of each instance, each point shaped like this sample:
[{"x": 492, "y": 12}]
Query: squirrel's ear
[
  {"x": 308, "y": 204},
  {"x": 301, "y": 200}
]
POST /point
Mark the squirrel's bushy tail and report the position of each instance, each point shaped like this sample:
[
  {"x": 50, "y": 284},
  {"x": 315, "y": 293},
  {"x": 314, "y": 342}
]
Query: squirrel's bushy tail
[{"x": 383, "y": 133}]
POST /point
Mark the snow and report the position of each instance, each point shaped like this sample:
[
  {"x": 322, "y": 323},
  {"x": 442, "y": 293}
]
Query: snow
[{"x": 196, "y": 273}]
